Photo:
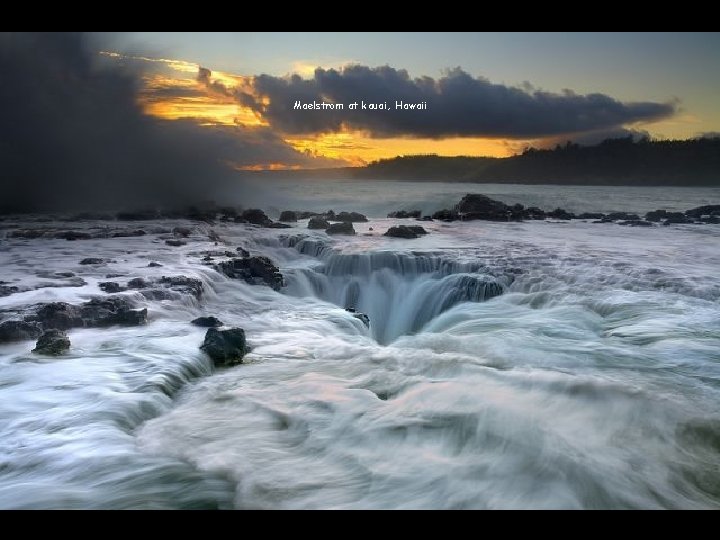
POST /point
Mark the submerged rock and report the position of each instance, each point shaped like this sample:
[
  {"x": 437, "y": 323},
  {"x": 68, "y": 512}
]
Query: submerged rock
[
  {"x": 92, "y": 260},
  {"x": 405, "y": 231},
  {"x": 137, "y": 283},
  {"x": 184, "y": 284},
  {"x": 288, "y": 216},
  {"x": 154, "y": 264},
  {"x": 257, "y": 270},
  {"x": 19, "y": 330},
  {"x": 207, "y": 322},
  {"x": 129, "y": 233},
  {"x": 362, "y": 317},
  {"x": 225, "y": 347},
  {"x": 344, "y": 227},
  {"x": 318, "y": 223},
  {"x": 52, "y": 342}
]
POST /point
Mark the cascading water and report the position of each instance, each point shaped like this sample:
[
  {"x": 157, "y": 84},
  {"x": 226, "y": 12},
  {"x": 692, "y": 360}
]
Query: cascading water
[{"x": 399, "y": 292}]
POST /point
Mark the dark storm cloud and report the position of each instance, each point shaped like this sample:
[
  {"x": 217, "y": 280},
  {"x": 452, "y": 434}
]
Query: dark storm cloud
[
  {"x": 457, "y": 105},
  {"x": 73, "y": 136}
]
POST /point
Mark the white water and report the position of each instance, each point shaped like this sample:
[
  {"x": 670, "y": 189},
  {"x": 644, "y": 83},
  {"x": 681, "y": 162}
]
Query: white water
[{"x": 591, "y": 382}]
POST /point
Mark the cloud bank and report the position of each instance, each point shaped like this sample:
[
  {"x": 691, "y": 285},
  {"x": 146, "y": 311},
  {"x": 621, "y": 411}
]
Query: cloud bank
[{"x": 458, "y": 105}]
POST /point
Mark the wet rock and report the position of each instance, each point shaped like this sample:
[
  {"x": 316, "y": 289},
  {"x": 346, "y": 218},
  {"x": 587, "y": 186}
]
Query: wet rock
[
  {"x": 534, "y": 212},
  {"x": 90, "y": 216},
  {"x": 28, "y": 234},
  {"x": 129, "y": 233},
  {"x": 257, "y": 270},
  {"x": 207, "y": 322},
  {"x": 243, "y": 252},
  {"x": 277, "y": 225},
  {"x": 622, "y": 216},
  {"x": 52, "y": 343},
  {"x": 706, "y": 210},
  {"x": 73, "y": 235},
  {"x": 477, "y": 206},
  {"x": 19, "y": 330},
  {"x": 591, "y": 215},
  {"x": 362, "y": 317},
  {"x": 445, "y": 215},
  {"x": 344, "y": 227},
  {"x": 255, "y": 216},
  {"x": 7, "y": 290},
  {"x": 636, "y": 223},
  {"x": 213, "y": 236},
  {"x": 137, "y": 283},
  {"x": 225, "y": 347},
  {"x": 425, "y": 218},
  {"x": 110, "y": 276},
  {"x": 184, "y": 284},
  {"x": 405, "y": 231},
  {"x": 318, "y": 223},
  {"x": 59, "y": 315},
  {"x": 176, "y": 243},
  {"x": 157, "y": 295},
  {"x": 154, "y": 264},
  {"x": 404, "y": 214},
  {"x": 110, "y": 287},
  {"x": 559, "y": 213},
  {"x": 100, "y": 312},
  {"x": 676, "y": 218},
  {"x": 306, "y": 215},
  {"x": 182, "y": 231},
  {"x": 348, "y": 217},
  {"x": 92, "y": 260},
  {"x": 288, "y": 216}
]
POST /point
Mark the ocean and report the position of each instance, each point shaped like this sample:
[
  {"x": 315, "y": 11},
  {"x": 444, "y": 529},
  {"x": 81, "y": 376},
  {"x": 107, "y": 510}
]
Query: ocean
[{"x": 540, "y": 364}]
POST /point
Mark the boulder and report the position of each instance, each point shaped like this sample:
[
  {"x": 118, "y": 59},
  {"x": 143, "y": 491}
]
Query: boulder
[
  {"x": 591, "y": 215},
  {"x": 277, "y": 225},
  {"x": 445, "y": 215},
  {"x": 405, "y": 231},
  {"x": 19, "y": 330},
  {"x": 207, "y": 322},
  {"x": 225, "y": 347},
  {"x": 154, "y": 264},
  {"x": 7, "y": 290},
  {"x": 176, "y": 243},
  {"x": 129, "y": 233},
  {"x": 351, "y": 217},
  {"x": 182, "y": 231},
  {"x": 318, "y": 223},
  {"x": 101, "y": 312},
  {"x": 477, "y": 206},
  {"x": 344, "y": 227},
  {"x": 622, "y": 216},
  {"x": 404, "y": 214},
  {"x": 59, "y": 315},
  {"x": 257, "y": 270},
  {"x": 73, "y": 235},
  {"x": 700, "y": 211},
  {"x": 110, "y": 287},
  {"x": 92, "y": 260},
  {"x": 137, "y": 283},
  {"x": 184, "y": 284},
  {"x": 362, "y": 317},
  {"x": 288, "y": 216},
  {"x": 559, "y": 213},
  {"x": 52, "y": 342},
  {"x": 255, "y": 216}
]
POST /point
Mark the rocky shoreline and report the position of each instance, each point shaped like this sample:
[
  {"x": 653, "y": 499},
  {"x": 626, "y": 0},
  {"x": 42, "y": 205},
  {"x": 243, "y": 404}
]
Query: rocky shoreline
[{"x": 48, "y": 322}]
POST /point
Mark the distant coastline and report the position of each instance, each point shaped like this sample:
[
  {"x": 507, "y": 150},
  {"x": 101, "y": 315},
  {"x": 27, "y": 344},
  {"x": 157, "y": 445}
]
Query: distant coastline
[{"x": 694, "y": 162}]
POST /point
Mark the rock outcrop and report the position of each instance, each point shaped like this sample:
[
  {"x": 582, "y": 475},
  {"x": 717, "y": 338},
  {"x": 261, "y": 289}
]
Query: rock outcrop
[
  {"x": 257, "y": 270},
  {"x": 52, "y": 343},
  {"x": 225, "y": 347}
]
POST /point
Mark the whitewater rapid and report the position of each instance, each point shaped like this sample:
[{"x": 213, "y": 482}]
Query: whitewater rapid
[{"x": 507, "y": 365}]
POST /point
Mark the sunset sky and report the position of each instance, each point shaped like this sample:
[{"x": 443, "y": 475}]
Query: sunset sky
[{"x": 488, "y": 94}]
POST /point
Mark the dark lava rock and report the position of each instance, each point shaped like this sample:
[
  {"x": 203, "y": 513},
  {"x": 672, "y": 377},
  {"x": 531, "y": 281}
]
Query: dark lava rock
[
  {"x": 176, "y": 243},
  {"x": 184, "y": 284},
  {"x": 225, "y": 347},
  {"x": 73, "y": 235},
  {"x": 534, "y": 213},
  {"x": 59, "y": 315},
  {"x": 52, "y": 342},
  {"x": 348, "y": 217},
  {"x": 288, "y": 216},
  {"x": 636, "y": 223},
  {"x": 92, "y": 260},
  {"x": 700, "y": 211},
  {"x": 154, "y": 264},
  {"x": 624, "y": 216},
  {"x": 159, "y": 294},
  {"x": 344, "y": 227},
  {"x": 7, "y": 290},
  {"x": 591, "y": 215},
  {"x": 425, "y": 218},
  {"x": 18, "y": 330},
  {"x": 243, "y": 252},
  {"x": 257, "y": 270},
  {"x": 129, "y": 233},
  {"x": 445, "y": 215},
  {"x": 362, "y": 317},
  {"x": 207, "y": 322},
  {"x": 255, "y": 216},
  {"x": 318, "y": 223},
  {"x": 477, "y": 206},
  {"x": 676, "y": 218},
  {"x": 405, "y": 214},
  {"x": 110, "y": 287},
  {"x": 405, "y": 231},
  {"x": 182, "y": 231},
  {"x": 305, "y": 214},
  {"x": 137, "y": 283},
  {"x": 277, "y": 225},
  {"x": 100, "y": 312},
  {"x": 559, "y": 213}
]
